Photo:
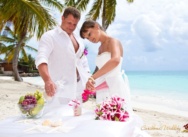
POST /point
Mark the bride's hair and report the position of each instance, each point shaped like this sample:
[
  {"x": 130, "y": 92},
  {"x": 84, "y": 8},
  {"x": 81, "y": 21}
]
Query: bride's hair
[{"x": 88, "y": 24}]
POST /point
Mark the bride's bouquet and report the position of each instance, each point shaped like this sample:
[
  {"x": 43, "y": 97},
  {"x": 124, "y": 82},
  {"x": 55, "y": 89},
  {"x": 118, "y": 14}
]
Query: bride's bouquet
[
  {"x": 112, "y": 110},
  {"x": 87, "y": 94}
]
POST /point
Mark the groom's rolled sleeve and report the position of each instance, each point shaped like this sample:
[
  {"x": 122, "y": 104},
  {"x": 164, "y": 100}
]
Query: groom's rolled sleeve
[{"x": 40, "y": 61}]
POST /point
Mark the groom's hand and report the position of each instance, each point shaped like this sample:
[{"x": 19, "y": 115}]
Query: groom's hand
[{"x": 50, "y": 88}]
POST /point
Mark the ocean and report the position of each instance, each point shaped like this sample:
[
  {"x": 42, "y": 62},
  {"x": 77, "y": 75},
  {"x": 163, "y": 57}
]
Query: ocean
[{"x": 168, "y": 84}]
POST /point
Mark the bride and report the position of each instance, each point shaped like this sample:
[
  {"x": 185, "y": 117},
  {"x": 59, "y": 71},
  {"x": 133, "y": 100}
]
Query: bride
[{"x": 108, "y": 80}]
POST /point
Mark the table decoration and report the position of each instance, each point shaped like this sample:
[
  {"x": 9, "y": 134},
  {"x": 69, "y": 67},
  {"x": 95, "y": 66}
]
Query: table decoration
[
  {"x": 77, "y": 109},
  {"x": 31, "y": 105}
]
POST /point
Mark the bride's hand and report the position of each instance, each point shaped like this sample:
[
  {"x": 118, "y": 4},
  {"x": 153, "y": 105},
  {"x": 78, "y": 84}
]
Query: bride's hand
[{"x": 90, "y": 85}]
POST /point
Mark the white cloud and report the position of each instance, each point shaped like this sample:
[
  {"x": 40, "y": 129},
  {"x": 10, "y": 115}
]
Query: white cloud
[
  {"x": 147, "y": 31},
  {"x": 179, "y": 31}
]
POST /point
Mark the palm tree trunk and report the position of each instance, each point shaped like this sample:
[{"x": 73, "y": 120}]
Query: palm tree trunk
[{"x": 15, "y": 62}]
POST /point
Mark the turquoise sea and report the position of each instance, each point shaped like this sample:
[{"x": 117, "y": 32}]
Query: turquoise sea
[{"x": 167, "y": 84}]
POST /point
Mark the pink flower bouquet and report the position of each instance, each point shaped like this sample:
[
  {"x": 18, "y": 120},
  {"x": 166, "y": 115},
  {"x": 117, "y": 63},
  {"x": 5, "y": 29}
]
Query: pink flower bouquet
[
  {"x": 112, "y": 110},
  {"x": 87, "y": 94}
]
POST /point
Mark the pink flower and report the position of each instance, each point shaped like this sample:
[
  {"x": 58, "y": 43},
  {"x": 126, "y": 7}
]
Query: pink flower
[
  {"x": 86, "y": 94},
  {"x": 85, "y": 52},
  {"x": 112, "y": 110}
]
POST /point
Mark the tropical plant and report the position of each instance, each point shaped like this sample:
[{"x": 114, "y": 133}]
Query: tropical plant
[
  {"x": 27, "y": 66},
  {"x": 28, "y": 17},
  {"x": 106, "y": 9},
  {"x": 9, "y": 42}
]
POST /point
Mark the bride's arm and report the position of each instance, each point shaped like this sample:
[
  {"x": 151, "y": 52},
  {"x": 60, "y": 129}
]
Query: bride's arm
[{"x": 116, "y": 53}]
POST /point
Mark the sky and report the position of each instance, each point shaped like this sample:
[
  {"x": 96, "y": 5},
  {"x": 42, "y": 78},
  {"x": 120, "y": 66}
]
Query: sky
[{"x": 154, "y": 35}]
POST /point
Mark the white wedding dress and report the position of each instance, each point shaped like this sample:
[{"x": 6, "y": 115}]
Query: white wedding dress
[
  {"x": 115, "y": 79},
  {"x": 118, "y": 84}
]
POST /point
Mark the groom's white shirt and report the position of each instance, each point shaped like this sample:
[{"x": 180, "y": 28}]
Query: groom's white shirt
[{"x": 56, "y": 49}]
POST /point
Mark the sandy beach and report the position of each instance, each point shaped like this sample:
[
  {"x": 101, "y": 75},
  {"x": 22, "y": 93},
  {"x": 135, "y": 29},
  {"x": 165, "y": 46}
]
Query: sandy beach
[{"x": 156, "y": 123}]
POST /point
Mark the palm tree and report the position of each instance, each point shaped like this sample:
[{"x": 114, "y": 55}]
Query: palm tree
[
  {"x": 104, "y": 8},
  {"x": 9, "y": 42},
  {"x": 27, "y": 17}
]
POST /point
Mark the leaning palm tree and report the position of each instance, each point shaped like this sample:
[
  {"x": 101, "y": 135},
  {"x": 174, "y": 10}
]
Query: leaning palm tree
[
  {"x": 27, "y": 17},
  {"x": 9, "y": 42},
  {"x": 106, "y": 9}
]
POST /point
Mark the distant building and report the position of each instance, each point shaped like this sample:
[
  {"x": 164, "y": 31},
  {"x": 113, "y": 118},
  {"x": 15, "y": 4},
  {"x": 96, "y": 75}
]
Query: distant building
[{"x": 6, "y": 67}]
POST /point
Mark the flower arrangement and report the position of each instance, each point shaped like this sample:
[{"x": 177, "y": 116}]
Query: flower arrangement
[
  {"x": 87, "y": 94},
  {"x": 112, "y": 110},
  {"x": 85, "y": 52}
]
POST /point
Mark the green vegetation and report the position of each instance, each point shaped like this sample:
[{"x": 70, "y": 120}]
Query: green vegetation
[{"x": 27, "y": 18}]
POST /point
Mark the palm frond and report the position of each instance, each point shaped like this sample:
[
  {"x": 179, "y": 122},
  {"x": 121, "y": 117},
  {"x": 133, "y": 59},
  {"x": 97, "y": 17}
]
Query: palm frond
[
  {"x": 130, "y": 1},
  {"x": 95, "y": 10},
  {"x": 8, "y": 31},
  {"x": 82, "y": 4},
  {"x": 109, "y": 12},
  {"x": 7, "y": 39},
  {"x": 30, "y": 48},
  {"x": 70, "y": 3},
  {"x": 2, "y": 48},
  {"x": 55, "y": 4},
  {"x": 34, "y": 19},
  {"x": 23, "y": 55}
]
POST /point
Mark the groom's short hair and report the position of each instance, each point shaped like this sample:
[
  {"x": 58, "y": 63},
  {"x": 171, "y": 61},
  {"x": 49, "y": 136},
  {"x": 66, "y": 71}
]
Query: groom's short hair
[{"x": 73, "y": 11}]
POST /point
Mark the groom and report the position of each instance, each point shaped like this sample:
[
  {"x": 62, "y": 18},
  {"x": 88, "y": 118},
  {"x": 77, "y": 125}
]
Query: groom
[{"x": 61, "y": 61}]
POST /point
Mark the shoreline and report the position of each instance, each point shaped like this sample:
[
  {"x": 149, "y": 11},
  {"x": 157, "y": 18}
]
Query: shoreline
[{"x": 156, "y": 123}]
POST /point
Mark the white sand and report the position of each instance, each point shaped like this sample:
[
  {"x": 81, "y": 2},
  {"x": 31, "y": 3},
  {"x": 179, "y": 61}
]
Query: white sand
[{"x": 159, "y": 121}]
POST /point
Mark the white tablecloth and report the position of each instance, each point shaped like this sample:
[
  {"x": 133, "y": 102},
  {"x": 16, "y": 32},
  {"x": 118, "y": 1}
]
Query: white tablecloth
[{"x": 79, "y": 126}]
